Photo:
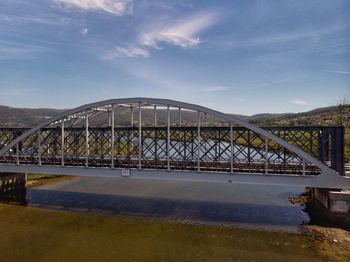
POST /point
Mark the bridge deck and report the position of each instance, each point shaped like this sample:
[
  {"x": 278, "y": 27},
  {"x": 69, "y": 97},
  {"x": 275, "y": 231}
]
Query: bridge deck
[{"x": 163, "y": 164}]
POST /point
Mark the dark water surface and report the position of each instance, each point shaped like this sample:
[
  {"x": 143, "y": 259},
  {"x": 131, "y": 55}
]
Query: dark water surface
[{"x": 252, "y": 206}]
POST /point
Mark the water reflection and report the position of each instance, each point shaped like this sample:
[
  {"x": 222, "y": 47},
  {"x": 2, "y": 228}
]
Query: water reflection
[
  {"x": 179, "y": 210},
  {"x": 208, "y": 150}
]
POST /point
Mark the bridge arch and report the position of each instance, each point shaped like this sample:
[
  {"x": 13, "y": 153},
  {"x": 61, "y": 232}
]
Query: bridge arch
[{"x": 140, "y": 102}]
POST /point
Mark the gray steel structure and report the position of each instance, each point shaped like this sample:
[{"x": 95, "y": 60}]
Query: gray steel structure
[{"x": 235, "y": 152}]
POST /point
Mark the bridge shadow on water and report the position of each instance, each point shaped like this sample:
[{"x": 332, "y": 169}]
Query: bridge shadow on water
[{"x": 250, "y": 215}]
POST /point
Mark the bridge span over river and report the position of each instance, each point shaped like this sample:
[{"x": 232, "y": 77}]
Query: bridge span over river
[{"x": 152, "y": 138}]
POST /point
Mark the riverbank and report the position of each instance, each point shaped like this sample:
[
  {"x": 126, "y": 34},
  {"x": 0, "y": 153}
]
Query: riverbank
[
  {"x": 36, "y": 180},
  {"x": 332, "y": 242},
  {"x": 32, "y": 234}
]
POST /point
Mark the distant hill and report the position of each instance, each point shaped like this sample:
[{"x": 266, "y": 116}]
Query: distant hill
[
  {"x": 27, "y": 117},
  {"x": 268, "y": 116},
  {"x": 10, "y": 116},
  {"x": 332, "y": 115}
]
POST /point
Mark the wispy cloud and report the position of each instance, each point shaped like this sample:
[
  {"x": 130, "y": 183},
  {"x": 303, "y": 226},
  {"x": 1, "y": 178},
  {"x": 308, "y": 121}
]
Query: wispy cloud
[
  {"x": 84, "y": 31},
  {"x": 183, "y": 33},
  {"x": 128, "y": 51},
  {"x": 10, "y": 50},
  {"x": 42, "y": 19},
  {"x": 318, "y": 38},
  {"x": 212, "y": 89},
  {"x": 16, "y": 91},
  {"x": 115, "y": 7},
  {"x": 338, "y": 72},
  {"x": 105, "y": 91},
  {"x": 298, "y": 101}
]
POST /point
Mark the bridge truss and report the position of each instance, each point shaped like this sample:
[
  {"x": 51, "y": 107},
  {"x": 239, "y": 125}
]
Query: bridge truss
[{"x": 171, "y": 139}]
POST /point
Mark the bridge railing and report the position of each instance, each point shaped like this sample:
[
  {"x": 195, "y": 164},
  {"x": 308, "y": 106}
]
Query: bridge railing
[{"x": 221, "y": 149}]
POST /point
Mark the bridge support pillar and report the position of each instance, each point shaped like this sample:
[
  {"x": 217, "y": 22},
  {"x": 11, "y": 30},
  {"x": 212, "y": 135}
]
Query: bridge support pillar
[
  {"x": 13, "y": 187},
  {"x": 332, "y": 205},
  {"x": 337, "y": 158}
]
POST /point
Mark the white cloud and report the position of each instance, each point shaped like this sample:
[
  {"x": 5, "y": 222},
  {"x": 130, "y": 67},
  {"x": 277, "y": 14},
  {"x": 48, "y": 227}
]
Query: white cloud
[
  {"x": 338, "y": 72},
  {"x": 84, "y": 31},
  {"x": 299, "y": 102},
  {"x": 5, "y": 18},
  {"x": 116, "y": 7},
  {"x": 128, "y": 51},
  {"x": 215, "y": 89},
  {"x": 183, "y": 33}
]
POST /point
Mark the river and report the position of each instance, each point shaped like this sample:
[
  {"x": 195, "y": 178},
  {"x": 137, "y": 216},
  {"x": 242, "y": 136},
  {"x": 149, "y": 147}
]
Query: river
[
  {"x": 257, "y": 206},
  {"x": 123, "y": 219}
]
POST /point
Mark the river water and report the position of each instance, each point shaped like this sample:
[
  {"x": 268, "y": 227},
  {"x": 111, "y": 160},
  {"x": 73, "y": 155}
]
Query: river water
[
  {"x": 209, "y": 150},
  {"x": 130, "y": 218},
  {"x": 252, "y": 206}
]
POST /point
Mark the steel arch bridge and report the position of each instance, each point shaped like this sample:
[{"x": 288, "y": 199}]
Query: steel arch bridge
[{"x": 161, "y": 141}]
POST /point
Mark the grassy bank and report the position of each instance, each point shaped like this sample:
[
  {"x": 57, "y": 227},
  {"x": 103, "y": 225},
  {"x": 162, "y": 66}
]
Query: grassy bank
[
  {"x": 29, "y": 234},
  {"x": 347, "y": 145}
]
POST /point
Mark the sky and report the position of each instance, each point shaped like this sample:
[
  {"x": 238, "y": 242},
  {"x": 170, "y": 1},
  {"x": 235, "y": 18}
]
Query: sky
[{"x": 237, "y": 56}]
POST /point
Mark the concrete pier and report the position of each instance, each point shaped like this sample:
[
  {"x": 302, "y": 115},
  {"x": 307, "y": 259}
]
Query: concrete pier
[
  {"x": 11, "y": 179},
  {"x": 334, "y": 205},
  {"x": 13, "y": 187}
]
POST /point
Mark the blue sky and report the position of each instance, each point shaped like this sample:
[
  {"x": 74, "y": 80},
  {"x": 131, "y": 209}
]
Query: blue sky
[{"x": 241, "y": 57}]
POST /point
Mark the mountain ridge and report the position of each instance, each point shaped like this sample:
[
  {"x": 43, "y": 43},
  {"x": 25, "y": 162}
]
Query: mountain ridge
[{"x": 27, "y": 117}]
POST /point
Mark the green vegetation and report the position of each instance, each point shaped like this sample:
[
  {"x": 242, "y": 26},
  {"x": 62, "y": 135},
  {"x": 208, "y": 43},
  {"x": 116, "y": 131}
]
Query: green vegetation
[
  {"x": 29, "y": 234},
  {"x": 338, "y": 115},
  {"x": 347, "y": 145}
]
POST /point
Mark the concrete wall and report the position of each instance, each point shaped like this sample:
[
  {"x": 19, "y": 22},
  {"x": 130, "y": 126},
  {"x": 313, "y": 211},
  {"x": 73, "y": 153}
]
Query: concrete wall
[{"x": 334, "y": 205}]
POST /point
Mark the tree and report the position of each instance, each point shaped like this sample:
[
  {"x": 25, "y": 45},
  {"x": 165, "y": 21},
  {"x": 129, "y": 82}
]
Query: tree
[{"x": 341, "y": 113}]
